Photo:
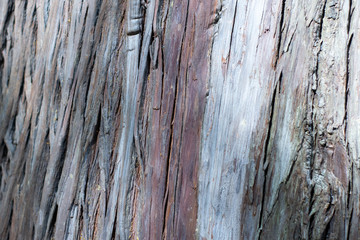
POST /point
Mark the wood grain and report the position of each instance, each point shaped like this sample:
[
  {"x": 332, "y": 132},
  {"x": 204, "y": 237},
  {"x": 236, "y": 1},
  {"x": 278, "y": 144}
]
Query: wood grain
[{"x": 195, "y": 119}]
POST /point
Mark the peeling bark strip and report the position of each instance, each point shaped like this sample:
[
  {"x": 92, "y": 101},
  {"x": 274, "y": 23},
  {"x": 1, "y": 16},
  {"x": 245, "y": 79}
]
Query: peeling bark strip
[{"x": 195, "y": 119}]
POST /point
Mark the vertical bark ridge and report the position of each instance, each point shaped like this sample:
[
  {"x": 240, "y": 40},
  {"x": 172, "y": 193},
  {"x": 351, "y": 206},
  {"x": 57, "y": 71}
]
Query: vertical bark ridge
[{"x": 153, "y": 119}]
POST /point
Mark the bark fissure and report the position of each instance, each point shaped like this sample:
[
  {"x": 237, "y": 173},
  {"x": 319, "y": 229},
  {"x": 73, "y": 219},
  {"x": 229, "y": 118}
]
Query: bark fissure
[
  {"x": 231, "y": 36},
  {"x": 351, "y": 11},
  {"x": 174, "y": 111},
  {"x": 349, "y": 224},
  {"x": 326, "y": 232},
  {"x": 145, "y": 119},
  {"x": 4, "y": 35},
  {"x": 280, "y": 33},
  {"x": 9, "y": 13},
  {"x": 275, "y": 95},
  {"x": 217, "y": 17},
  {"x": 321, "y": 22},
  {"x": 311, "y": 129},
  {"x": 348, "y": 47}
]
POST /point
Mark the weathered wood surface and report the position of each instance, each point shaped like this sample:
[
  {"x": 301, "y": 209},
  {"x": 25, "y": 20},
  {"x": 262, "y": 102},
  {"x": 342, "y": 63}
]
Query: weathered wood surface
[{"x": 195, "y": 119}]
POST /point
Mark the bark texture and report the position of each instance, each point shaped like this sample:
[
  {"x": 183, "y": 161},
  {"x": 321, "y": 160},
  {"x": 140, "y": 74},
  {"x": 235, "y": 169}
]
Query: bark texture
[{"x": 169, "y": 119}]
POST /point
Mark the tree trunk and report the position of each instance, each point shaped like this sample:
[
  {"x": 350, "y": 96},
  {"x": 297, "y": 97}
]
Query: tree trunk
[{"x": 195, "y": 119}]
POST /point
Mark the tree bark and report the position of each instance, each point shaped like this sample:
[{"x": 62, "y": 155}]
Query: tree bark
[{"x": 194, "y": 119}]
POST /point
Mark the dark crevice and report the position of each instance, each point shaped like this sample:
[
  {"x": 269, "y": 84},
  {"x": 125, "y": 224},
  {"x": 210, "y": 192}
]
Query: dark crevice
[
  {"x": 79, "y": 48},
  {"x": 349, "y": 225},
  {"x": 168, "y": 158},
  {"x": 5, "y": 151},
  {"x": 40, "y": 171},
  {"x": 140, "y": 110},
  {"x": 10, "y": 219},
  {"x": 171, "y": 139},
  {"x": 291, "y": 40},
  {"x": 22, "y": 83},
  {"x": 22, "y": 176},
  {"x": 56, "y": 101},
  {"x": 70, "y": 215},
  {"x": 159, "y": 15},
  {"x": 351, "y": 11},
  {"x": 347, "y": 77},
  {"x": 351, "y": 185},
  {"x": 96, "y": 128},
  {"x": 345, "y": 122},
  {"x": 85, "y": 167},
  {"x": 33, "y": 232},
  {"x": 81, "y": 222},
  {"x": 87, "y": 80},
  {"x": 139, "y": 156},
  {"x": 276, "y": 92},
  {"x": 97, "y": 29},
  {"x": 39, "y": 102},
  {"x": 1, "y": 178},
  {"x": 144, "y": 61},
  {"x": 312, "y": 216},
  {"x": 310, "y": 127},
  {"x": 322, "y": 16},
  {"x": 178, "y": 182},
  {"x": 154, "y": 51},
  {"x": 118, "y": 106},
  {"x": 162, "y": 72},
  {"x": 325, "y": 233},
  {"x": 97, "y": 12},
  {"x": 33, "y": 41},
  {"x": 141, "y": 99},
  {"x": 162, "y": 30},
  {"x": 141, "y": 31},
  {"x": 280, "y": 31},
  {"x": 113, "y": 234},
  {"x": 113, "y": 231},
  {"x": 3, "y": 39},
  {"x": 348, "y": 192},
  {"x": 134, "y": 32},
  {"x": 218, "y": 13},
  {"x": 52, "y": 223},
  {"x": 8, "y": 15},
  {"x": 167, "y": 173},
  {"x": 58, "y": 170},
  {"x": 89, "y": 149},
  {"x": 349, "y": 200},
  {"x": 24, "y": 15},
  {"x": 2, "y": 61},
  {"x": 57, "y": 94},
  {"x": 96, "y": 214},
  {"x": 329, "y": 206},
  {"x": 46, "y": 11},
  {"x": 232, "y": 34},
  {"x": 291, "y": 170}
]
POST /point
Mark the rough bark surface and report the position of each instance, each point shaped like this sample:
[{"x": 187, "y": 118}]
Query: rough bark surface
[{"x": 193, "y": 119}]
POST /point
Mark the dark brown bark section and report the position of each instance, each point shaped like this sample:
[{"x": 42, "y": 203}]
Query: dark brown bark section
[{"x": 171, "y": 118}]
